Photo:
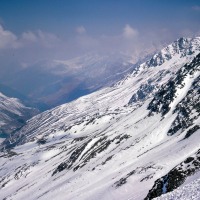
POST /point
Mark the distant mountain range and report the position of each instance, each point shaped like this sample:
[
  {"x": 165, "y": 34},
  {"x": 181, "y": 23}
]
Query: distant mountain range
[
  {"x": 50, "y": 83},
  {"x": 135, "y": 139},
  {"x": 13, "y": 115}
]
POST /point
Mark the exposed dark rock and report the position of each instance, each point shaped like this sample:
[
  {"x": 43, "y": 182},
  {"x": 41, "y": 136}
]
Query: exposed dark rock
[
  {"x": 138, "y": 170},
  {"x": 191, "y": 131},
  {"x": 72, "y": 159},
  {"x": 142, "y": 93},
  {"x": 41, "y": 141},
  {"x": 107, "y": 159},
  {"x": 175, "y": 177},
  {"x": 60, "y": 168}
]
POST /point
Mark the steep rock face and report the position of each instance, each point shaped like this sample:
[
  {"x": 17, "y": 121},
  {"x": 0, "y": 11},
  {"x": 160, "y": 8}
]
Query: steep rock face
[
  {"x": 13, "y": 114},
  {"x": 175, "y": 177},
  {"x": 188, "y": 191},
  {"x": 181, "y": 95},
  {"x": 104, "y": 145}
]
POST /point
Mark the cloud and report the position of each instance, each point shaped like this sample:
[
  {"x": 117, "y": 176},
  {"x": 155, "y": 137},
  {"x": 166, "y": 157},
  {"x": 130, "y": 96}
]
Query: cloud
[
  {"x": 196, "y": 8},
  {"x": 80, "y": 30},
  {"x": 47, "y": 39},
  {"x": 39, "y": 37},
  {"x": 7, "y": 39},
  {"x": 29, "y": 36},
  {"x": 129, "y": 32},
  {"x": 31, "y": 46}
]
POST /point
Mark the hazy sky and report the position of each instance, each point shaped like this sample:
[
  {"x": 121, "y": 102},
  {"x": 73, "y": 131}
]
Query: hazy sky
[{"x": 32, "y": 30}]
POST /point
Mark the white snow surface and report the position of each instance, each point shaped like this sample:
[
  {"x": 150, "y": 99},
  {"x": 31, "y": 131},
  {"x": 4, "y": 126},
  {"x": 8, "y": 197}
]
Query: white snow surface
[{"x": 111, "y": 139}]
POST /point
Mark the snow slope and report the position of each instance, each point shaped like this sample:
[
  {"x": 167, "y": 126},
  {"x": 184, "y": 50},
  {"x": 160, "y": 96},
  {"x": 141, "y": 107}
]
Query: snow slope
[{"x": 114, "y": 143}]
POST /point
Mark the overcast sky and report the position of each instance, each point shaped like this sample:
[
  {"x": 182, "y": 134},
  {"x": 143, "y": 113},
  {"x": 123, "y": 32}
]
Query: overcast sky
[{"x": 33, "y": 30}]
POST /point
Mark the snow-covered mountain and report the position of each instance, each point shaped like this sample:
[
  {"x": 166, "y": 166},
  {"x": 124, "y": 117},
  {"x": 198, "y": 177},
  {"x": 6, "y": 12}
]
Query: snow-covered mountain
[
  {"x": 127, "y": 141},
  {"x": 13, "y": 114}
]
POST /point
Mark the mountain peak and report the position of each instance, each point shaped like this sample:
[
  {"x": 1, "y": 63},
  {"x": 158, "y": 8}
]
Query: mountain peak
[{"x": 181, "y": 47}]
